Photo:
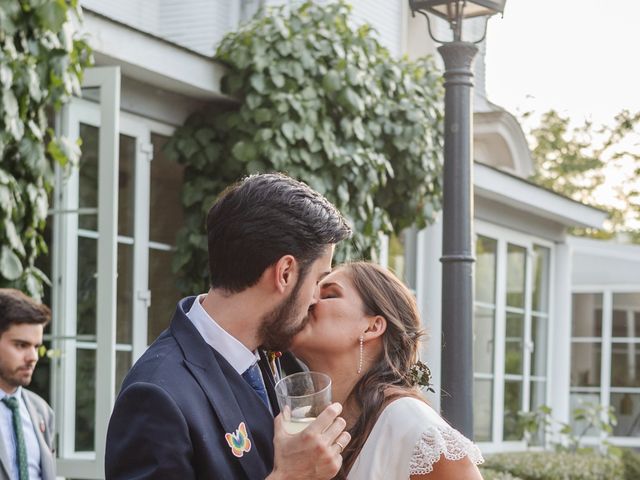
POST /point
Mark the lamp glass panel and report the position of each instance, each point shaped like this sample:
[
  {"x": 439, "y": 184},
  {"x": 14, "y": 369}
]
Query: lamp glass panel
[{"x": 471, "y": 9}]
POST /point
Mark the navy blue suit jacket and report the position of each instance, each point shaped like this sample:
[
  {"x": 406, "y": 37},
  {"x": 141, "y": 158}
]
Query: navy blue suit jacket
[{"x": 176, "y": 405}]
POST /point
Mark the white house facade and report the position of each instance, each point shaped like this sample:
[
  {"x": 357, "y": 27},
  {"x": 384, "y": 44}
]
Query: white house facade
[{"x": 114, "y": 220}]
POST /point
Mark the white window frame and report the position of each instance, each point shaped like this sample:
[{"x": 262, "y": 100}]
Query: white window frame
[
  {"x": 504, "y": 236},
  {"x": 607, "y": 292},
  {"x": 112, "y": 123}
]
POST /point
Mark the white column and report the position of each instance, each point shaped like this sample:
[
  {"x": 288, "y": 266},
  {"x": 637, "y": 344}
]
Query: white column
[
  {"x": 429, "y": 298},
  {"x": 560, "y": 325}
]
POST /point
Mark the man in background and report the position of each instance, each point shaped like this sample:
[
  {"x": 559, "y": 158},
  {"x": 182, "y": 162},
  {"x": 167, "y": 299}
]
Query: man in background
[{"x": 26, "y": 420}]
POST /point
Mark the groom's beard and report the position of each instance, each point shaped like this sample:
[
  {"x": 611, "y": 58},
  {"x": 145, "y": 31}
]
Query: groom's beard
[{"x": 281, "y": 324}]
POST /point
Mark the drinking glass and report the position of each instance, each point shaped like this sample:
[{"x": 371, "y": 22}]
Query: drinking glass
[{"x": 302, "y": 397}]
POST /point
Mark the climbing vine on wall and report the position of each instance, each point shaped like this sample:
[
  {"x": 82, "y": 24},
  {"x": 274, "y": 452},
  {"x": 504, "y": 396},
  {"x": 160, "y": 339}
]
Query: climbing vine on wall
[
  {"x": 41, "y": 64},
  {"x": 324, "y": 102}
]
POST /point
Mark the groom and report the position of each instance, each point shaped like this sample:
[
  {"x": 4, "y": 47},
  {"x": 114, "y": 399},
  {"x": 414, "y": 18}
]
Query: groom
[{"x": 199, "y": 404}]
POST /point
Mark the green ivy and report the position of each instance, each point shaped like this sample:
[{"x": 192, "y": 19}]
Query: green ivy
[
  {"x": 41, "y": 64},
  {"x": 327, "y": 104}
]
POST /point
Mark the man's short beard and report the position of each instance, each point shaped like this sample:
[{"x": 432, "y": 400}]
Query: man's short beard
[{"x": 280, "y": 325}]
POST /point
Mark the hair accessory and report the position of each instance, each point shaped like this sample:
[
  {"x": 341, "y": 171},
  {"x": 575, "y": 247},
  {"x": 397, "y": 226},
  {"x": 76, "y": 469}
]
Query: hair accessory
[
  {"x": 361, "y": 353},
  {"x": 420, "y": 375}
]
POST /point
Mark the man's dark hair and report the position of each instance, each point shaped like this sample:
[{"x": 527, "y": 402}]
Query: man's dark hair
[
  {"x": 262, "y": 218},
  {"x": 16, "y": 308}
]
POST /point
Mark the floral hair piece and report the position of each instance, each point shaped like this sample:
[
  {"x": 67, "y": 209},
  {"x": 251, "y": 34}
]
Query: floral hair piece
[{"x": 420, "y": 375}]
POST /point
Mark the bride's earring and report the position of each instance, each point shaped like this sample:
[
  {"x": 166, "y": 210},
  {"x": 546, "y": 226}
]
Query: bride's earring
[{"x": 361, "y": 352}]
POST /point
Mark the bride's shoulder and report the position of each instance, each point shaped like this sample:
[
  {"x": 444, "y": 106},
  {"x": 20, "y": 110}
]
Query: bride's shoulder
[{"x": 414, "y": 409}]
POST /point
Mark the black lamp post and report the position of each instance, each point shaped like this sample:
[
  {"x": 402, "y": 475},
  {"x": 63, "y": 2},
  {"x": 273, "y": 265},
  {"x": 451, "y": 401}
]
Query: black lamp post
[{"x": 457, "y": 235}]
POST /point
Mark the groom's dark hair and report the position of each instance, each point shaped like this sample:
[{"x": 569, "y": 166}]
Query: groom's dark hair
[{"x": 260, "y": 219}]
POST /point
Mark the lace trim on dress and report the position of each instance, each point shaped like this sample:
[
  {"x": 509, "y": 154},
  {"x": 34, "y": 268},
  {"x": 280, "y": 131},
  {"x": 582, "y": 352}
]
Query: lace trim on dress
[{"x": 436, "y": 442}]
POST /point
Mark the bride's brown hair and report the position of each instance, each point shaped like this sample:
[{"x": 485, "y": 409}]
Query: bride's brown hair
[{"x": 383, "y": 294}]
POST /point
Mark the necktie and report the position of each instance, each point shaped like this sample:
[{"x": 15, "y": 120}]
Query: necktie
[
  {"x": 252, "y": 377},
  {"x": 21, "y": 449}
]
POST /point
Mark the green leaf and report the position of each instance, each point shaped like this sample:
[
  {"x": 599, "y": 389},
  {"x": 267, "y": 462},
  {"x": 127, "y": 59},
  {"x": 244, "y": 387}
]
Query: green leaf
[
  {"x": 52, "y": 14},
  {"x": 331, "y": 81},
  {"x": 278, "y": 80},
  {"x": 10, "y": 265},
  {"x": 288, "y": 130}
]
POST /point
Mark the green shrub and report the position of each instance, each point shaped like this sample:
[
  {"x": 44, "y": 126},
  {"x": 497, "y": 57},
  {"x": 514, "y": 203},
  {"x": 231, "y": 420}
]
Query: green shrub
[
  {"x": 326, "y": 103},
  {"x": 488, "y": 474},
  {"x": 631, "y": 461},
  {"x": 557, "y": 466}
]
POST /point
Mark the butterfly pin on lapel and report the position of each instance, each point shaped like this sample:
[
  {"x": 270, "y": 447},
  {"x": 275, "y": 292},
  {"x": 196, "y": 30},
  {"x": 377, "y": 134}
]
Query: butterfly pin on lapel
[{"x": 239, "y": 440}]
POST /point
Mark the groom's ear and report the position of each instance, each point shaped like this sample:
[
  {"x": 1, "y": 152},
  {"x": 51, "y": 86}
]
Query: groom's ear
[
  {"x": 285, "y": 272},
  {"x": 377, "y": 326}
]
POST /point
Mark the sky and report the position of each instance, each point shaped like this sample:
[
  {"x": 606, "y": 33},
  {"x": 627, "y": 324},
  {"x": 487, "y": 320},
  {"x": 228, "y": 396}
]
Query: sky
[{"x": 580, "y": 57}]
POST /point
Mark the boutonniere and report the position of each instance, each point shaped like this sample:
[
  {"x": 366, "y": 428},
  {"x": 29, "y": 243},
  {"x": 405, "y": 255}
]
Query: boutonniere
[{"x": 274, "y": 363}]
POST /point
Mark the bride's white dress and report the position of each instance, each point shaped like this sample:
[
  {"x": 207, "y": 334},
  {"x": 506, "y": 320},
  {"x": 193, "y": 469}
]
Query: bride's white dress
[{"x": 408, "y": 439}]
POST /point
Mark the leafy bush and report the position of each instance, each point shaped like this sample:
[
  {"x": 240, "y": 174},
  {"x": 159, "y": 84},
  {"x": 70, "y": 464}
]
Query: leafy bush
[
  {"x": 327, "y": 104},
  {"x": 488, "y": 474},
  {"x": 631, "y": 461},
  {"x": 557, "y": 466},
  {"x": 41, "y": 64}
]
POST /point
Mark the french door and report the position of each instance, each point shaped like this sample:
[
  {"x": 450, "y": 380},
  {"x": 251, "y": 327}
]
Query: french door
[{"x": 114, "y": 213}]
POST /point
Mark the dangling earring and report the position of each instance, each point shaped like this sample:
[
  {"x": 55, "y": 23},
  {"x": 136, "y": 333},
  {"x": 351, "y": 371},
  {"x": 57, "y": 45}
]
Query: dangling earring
[{"x": 361, "y": 351}]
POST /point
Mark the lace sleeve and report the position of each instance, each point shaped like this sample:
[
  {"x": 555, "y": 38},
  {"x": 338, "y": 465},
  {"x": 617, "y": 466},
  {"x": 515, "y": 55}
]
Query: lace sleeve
[{"x": 439, "y": 441}]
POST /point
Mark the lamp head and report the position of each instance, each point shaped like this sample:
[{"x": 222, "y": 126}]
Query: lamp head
[{"x": 455, "y": 10}]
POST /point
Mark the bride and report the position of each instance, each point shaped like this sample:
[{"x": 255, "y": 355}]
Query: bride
[{"x": 364, "y": 333}]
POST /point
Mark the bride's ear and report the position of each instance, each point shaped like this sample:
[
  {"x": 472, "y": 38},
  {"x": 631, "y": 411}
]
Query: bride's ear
[{"x": 377, "y": 326}]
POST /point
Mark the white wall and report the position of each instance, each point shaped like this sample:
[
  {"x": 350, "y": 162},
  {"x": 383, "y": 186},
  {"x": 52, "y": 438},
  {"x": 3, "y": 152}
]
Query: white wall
[{"x": 597, "y": 262}]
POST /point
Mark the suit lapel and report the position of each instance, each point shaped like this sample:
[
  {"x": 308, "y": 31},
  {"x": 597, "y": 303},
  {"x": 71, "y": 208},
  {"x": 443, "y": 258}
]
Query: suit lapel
[
  {"x": 46, "y": 457},
  {"x": 221, "y": 388}
]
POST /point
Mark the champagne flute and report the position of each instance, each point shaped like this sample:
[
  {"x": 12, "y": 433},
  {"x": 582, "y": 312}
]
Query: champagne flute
[{"x": 302, "y": 397}]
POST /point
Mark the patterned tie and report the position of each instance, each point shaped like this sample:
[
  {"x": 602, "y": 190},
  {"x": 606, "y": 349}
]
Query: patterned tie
[
  {"x": 21, "y": 449},
  {"x": 252, "y": 377}
]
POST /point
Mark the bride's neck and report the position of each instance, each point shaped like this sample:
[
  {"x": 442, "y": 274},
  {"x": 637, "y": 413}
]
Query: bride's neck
[{"x": 342, "y": 383}]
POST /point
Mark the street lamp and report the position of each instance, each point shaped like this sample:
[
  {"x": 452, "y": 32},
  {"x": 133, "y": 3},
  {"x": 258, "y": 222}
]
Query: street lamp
[{"x": 457, "y": 208}]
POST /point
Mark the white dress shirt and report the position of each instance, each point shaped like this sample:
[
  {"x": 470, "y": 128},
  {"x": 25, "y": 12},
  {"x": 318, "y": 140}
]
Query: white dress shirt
[
  {"x": 9, "y": 440},
  {"x": 233, "y": 351}
]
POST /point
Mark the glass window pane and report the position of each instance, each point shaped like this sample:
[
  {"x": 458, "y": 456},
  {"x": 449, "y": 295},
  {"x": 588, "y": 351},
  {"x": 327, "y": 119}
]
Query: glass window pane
[
  {"x": 625, "y": 364},
  {"x": 126, "y": 185},
  {"x": 512, "y": 405},
  {"x": 165, "y": 211},
  {"x": 514, "y": 344},
  {"x": 164, "y": 292},
  {"x": 626, "y": 315},
  {"x": 483, "y": 328},
  {"x": 627, "y": 409},
  {"x": 622, "y": 323},
  {"x": 538, "y": 398},
  {"x": 539, "y": 354},
  {"x": 516, "y": 274},
  {"x": 85, "y": 400},
  {"x": 88, "y": 181},
  {"x": 587, "y": 315},
  {"x": 482, "y": 410},
  {"x": 485, "y": 269},
  {"x": 580, "y": 400},
  {"x": 540, "y": 294},
  {"x": 124, "y": 309},
  {"x": 87, "y": 285},
  {"x": 585, "y": 364},
  {"x": 123, "y": 364}
]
